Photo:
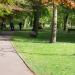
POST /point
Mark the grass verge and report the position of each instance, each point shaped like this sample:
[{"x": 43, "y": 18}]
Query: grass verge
[{"x": 45, "y": 58}]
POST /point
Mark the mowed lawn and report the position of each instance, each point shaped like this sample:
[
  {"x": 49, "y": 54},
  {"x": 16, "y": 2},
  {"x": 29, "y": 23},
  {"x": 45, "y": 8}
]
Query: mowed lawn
[{"x": 45, "y": 58}]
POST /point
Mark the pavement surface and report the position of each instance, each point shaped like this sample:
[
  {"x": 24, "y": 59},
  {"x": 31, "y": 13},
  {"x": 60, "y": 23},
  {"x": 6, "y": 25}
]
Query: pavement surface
[{"x": 10, "y": 62}]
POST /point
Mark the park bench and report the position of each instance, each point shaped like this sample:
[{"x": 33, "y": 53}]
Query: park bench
[{"x": 70, "y": 29}]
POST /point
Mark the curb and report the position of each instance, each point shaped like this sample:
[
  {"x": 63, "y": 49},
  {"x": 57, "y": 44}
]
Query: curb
[{"x": 22, "y": 60}]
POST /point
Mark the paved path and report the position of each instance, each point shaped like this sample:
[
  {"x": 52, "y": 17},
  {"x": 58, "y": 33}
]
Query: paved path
[{"x": 10, "y": 62}]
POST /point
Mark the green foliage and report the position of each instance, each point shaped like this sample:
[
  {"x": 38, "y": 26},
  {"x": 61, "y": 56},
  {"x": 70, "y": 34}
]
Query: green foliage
[
  {"x": 46, "y": 14},
  {"x": 4, "y": 10},
  {"x": 24, "y": 3},
  {"x": 62, "y": 11}
]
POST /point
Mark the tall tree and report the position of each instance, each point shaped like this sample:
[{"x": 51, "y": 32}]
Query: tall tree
[
  {"x": 66, "y": 21},
  {"x": 36, "y": 11},
  {"x": 54, "y": 24},
  {"x": 68, "y": 3}
]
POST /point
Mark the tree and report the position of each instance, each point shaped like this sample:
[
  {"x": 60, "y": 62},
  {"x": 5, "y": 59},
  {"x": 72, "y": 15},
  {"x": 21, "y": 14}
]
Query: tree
[
  {"x": 64, "y": 12},
  {"x": 54, "y": 24},
  {"x": 68, "y": 3},
  {"x": 66, "y": 20},
  {"x": 36, "y": 12}
]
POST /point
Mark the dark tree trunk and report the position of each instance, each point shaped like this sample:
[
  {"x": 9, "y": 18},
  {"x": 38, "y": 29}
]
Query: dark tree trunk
[
  {"x": 11, "y": 23},
  {"x": 36, "y": 12},
  {"x": 54, "y": 24},
  {"x": 36, "y": 22},
  {"x": 65, "y": 21},
  {"x": 20, "y": 25},
  {"x": 3, "y": 25}
]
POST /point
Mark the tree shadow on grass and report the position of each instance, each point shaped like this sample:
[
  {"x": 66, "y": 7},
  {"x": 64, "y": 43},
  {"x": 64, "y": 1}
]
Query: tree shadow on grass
[
  {"x": 66, "y": 37},
  {"x": 44, "y": 37}
]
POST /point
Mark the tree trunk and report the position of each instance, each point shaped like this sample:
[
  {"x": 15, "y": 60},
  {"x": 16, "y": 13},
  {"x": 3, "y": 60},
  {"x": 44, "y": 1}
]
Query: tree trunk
[
  {"x": 11, "y": 23},
  {"x": 3, "y": 24},
  {"x": 36, "y": 22},
  {"x": 65, "y": 21},
  {"x": 36, "y": 9},
  {"x": 54, "y": 24}
]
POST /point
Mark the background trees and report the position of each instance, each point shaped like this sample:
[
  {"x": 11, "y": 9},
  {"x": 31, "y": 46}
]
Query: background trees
[
  {"x": 39, "y": 13},
  {"x": 55, "y": 3}
]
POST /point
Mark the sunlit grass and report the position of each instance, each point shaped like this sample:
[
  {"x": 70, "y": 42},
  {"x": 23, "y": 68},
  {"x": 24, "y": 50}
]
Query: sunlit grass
[{"x": 45, "y": 58}]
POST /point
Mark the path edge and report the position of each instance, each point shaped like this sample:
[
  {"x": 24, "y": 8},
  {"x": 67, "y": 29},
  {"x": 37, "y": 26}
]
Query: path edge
[{"x": 22, "y": 59}]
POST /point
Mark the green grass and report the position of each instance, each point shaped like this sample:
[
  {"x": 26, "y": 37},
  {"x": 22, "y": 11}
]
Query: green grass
[{"x": 45, "y": 58}]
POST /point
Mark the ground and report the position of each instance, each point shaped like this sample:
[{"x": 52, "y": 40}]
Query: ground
[
  {"x": 10, "y": 62},
  {"x": 45, "y": 58}
]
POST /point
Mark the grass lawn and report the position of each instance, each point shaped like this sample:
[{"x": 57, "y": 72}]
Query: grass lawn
[{"x": 45, "y": 58}]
